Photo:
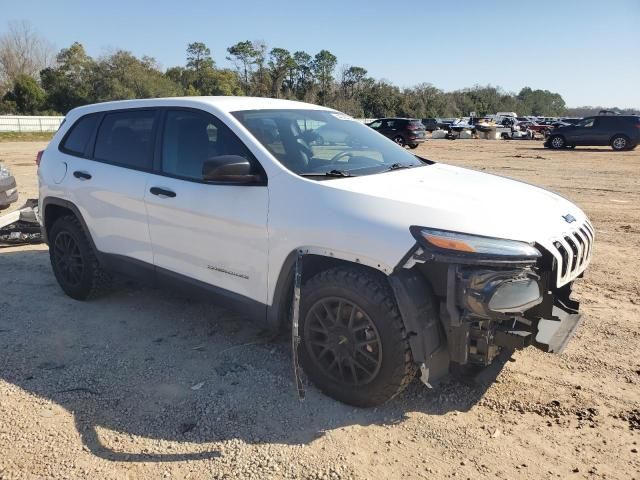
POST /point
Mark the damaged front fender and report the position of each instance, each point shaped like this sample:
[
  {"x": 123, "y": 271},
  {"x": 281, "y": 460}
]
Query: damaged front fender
[{"x": 419, "y": 312}]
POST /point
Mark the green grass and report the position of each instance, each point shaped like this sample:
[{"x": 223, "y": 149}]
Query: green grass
[{"x": 25, "y": 136}]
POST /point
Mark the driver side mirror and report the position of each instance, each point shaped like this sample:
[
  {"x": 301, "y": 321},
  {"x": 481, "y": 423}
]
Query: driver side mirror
[{"x": 229, "y": 168}]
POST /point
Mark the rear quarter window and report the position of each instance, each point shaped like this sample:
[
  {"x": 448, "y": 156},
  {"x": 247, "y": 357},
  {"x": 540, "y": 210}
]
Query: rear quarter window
[{"x": 76, "y": 141}]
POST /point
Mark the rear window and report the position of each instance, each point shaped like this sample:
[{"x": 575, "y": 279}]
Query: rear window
[
  {"x": 77, "y": 139},
  {"x": 125, "y": 138},
  {"x": 416, "y": 123}
]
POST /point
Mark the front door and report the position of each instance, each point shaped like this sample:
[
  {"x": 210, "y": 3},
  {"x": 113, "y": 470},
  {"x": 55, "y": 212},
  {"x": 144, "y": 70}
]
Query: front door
[
  {"x": 584, "y": 132},
  {"x": 215, "y": 233}
]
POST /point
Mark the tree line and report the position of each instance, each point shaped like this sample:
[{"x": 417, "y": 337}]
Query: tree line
[{"x": 33, "y": 81}]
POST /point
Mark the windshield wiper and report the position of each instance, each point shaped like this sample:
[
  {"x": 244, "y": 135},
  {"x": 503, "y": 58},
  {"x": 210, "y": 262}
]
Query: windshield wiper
[
  {"x": 398, "y": 166},
  {"x": 330, "y": 173}
]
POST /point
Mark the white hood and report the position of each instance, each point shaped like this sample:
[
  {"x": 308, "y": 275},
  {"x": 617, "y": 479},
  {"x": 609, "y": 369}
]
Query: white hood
[{"x": 457, "y": 199}]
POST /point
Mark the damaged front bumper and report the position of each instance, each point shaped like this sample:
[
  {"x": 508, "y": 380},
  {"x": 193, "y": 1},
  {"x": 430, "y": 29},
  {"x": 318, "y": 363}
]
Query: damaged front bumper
[
  {"x": 483, "y": 307},
  {"x": 554, "y": 335}
]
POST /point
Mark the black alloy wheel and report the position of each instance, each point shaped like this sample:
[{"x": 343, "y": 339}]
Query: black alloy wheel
[
  {"x": 343, "y": 342},
  {"x": 67, "y": 259}
]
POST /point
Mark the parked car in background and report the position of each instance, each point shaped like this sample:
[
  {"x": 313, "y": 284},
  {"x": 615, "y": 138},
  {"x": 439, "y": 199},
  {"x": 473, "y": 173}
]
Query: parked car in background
[
  {"x": 621, "y": 132},
  {"x": 430, "y": 124},
  {"x": 534, "y": 127},
  {"x": 445, "y": 123},
  {"x": 403, "y": 131},
  {"x": 8, "y": 188}
]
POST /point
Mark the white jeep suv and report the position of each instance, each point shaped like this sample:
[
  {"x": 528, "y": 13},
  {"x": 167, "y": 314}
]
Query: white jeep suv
[{"x": 406, "y": 265}]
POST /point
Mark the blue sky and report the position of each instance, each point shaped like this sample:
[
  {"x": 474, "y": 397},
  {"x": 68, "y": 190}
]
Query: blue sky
[{"x": 588, "y": 51}]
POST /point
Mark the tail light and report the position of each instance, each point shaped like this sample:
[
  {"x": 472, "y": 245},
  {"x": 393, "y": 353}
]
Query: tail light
[{"x": 39, "y": 157}]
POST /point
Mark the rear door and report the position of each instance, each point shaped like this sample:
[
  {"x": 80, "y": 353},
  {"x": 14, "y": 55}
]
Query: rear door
[
  {"x": 107, "y": 181},
  {"x": 215, "y": 233},
  {"x": 386, "y": 127}
]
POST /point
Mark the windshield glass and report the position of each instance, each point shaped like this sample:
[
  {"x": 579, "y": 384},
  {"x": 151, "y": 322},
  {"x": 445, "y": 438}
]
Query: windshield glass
[{"x": 319, "y": 142}]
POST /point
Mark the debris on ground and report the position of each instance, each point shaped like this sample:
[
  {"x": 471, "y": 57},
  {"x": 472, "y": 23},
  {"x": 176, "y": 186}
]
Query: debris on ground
[{"x": 21, "y": 226}]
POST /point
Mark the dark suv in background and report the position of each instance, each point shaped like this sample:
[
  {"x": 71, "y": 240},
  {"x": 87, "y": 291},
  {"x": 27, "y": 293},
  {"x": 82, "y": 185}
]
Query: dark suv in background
[
  {"x": 430, "y": 124},
  {"x": 622, "y": 132},
  {"x": 403, "y": 131}
]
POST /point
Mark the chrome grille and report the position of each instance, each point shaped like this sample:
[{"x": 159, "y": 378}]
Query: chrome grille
[{"x": 572, "y": 252}]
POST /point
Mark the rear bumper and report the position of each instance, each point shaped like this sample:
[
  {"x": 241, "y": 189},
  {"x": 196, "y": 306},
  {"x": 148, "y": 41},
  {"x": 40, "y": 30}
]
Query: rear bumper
[{"x": 416, "y": 139}]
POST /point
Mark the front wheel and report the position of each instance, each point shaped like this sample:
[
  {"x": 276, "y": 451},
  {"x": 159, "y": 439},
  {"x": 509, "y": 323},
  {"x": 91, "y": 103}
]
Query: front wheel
[
  {"x": 354, "y": 345},
  {"x": 557, "y": 142}
]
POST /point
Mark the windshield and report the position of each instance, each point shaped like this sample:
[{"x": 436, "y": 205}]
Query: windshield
[{"x": 320, "y": 143}]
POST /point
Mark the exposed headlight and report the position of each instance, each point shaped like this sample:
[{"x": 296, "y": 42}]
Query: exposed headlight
[{"x": 472, "y": 244}]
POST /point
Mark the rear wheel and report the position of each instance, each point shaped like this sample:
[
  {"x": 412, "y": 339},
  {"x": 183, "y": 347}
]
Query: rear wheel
[
  {"x": 73, "y": 260},
  {"x": 413, "y": 145},
  {"x": 620, "y": 142},
  {"x": 557, "y": 142},
  {"x": 354, "y": 346},
  {"x": 399, "y": 140}
]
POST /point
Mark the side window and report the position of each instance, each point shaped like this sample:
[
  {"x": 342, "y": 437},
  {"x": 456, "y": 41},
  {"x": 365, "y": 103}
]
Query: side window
[
  {"x": 391, "y": 124},
  {"x": 192, "y": 138},
  {"x": 77, "y": 139},
  {"x": 126, "y": 138},
  {"x": 586, "y": 123}
]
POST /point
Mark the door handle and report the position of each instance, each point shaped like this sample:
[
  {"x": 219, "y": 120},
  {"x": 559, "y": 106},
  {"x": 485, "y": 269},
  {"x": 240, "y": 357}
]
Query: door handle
[
  {"x": 82, "y": 175},
  {"x": 162, "y": 193}
]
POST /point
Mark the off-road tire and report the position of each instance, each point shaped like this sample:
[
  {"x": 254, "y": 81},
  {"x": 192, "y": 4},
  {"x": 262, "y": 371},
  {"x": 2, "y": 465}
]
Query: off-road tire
[
  {"x": 557, "y": 142},
  {"x": 94, "y": 280},
  {"x": 620, "y": 143},
  {"x": 376, "y": 299}
]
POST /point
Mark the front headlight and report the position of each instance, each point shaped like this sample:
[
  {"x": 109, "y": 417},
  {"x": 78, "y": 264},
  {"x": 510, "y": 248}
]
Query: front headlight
[{"x": 463, "y": 243}]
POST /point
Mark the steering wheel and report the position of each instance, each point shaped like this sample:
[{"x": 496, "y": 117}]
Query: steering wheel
[{"x": 344, "y": 153}]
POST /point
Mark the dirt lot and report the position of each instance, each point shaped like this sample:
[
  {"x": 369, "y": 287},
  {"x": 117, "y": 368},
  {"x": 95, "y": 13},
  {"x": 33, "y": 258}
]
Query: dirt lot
[{"x": 145, "y": 384}]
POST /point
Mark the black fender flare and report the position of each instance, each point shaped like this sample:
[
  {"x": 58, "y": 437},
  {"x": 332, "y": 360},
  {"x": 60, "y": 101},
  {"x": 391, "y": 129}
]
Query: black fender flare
[
  {"x": 69, "y": 206},
  {"x": 282, "y": 294},
  {"x": 414, "y": 297},
  {"x": 419, "y": 311}
]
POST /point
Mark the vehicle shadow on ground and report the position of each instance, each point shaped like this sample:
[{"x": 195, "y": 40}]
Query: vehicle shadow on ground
[{"x": 142, "y": 362}]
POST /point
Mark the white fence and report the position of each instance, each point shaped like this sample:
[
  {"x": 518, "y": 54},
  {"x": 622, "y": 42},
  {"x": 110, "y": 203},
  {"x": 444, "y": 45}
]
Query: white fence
[{"x": 21, "y": 123}]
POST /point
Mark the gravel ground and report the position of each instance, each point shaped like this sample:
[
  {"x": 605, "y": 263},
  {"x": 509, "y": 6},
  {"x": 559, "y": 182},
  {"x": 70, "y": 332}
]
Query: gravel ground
[{"x": 143, "y": 383}]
